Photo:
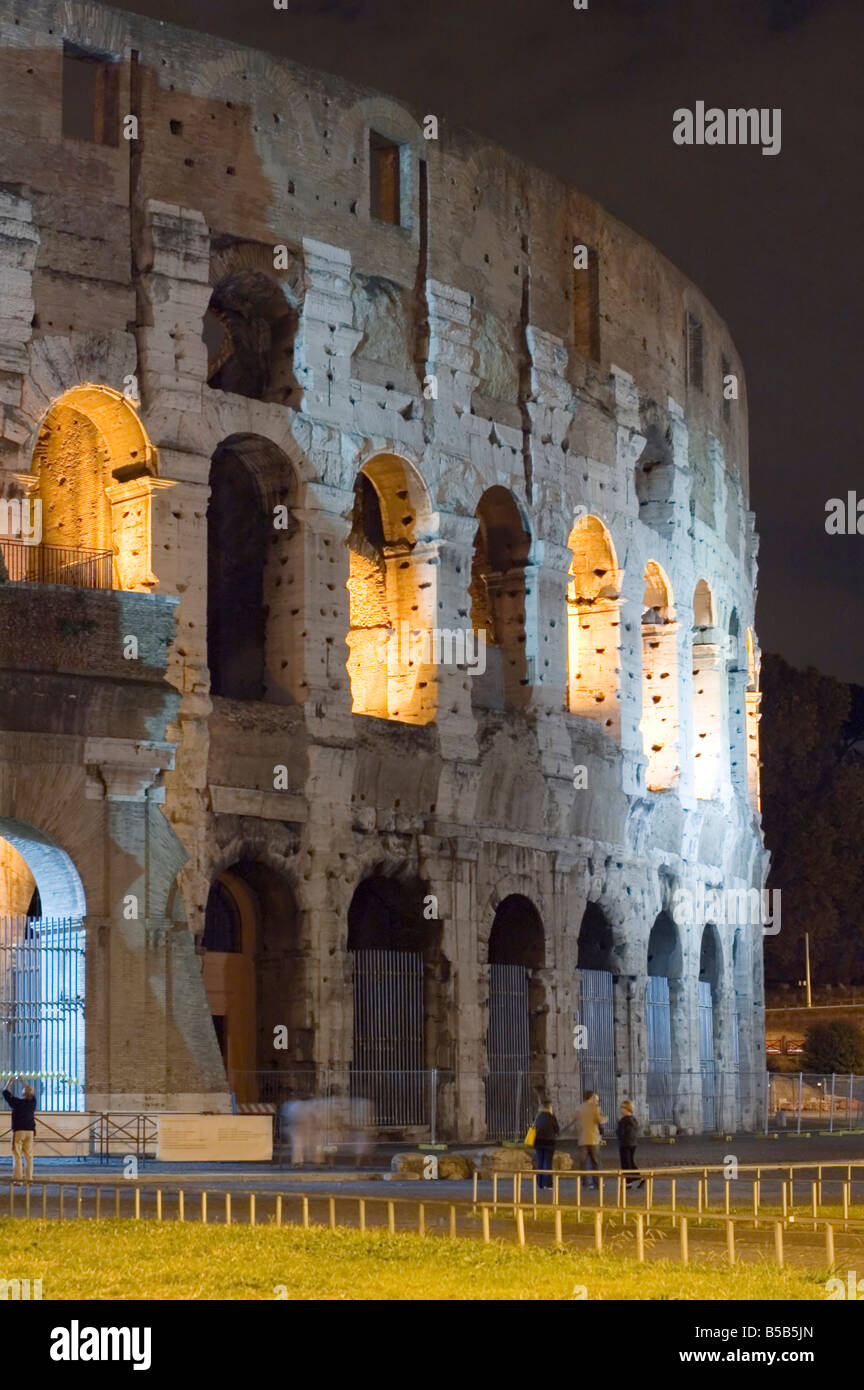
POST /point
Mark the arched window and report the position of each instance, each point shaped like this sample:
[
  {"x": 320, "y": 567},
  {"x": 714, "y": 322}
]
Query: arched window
[
  {"x": 93, "y": 479},
  {"x": 708, "y": 679},
  {"x": 596, "y": 1007},
  {"x": 515, "y": 1034},
  {"x": 249, "y": 330},
  {"x": 251, "y": 580},
  {"x": 709, "y": 991},
  {"x": 391, "y": 592},
  {"x": 661, "y": 1003},
  {"x": 659, "y": 681},
  {"x": 593, "y": 625},
  {"x": 498, "y": 601}
]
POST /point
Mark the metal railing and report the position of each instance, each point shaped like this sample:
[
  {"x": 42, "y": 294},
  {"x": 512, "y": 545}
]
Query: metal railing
[{"x": 57, "y": 564}]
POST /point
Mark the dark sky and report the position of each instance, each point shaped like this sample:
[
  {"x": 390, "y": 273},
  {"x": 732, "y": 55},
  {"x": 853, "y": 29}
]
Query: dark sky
[{"x": 775, "y": 242}]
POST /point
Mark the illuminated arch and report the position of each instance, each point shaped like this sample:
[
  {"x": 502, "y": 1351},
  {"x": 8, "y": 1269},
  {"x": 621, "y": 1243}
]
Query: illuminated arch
[
  {"x": 708, "y": 680},
  {"x": 391, "y": 594},
  {"x": 498, "y": 596},
  {"x": 753, "y": 699},
  {"x": 659, "y": 723},
  {"x": 593, "y": 625},
  {"x": 94, "y": 473}
]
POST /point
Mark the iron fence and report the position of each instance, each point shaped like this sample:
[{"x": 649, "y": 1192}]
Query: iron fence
[
  {"x": 803, "y": 1100},
  {"x": 57, "y": 564},
  {"x": 42, "y": 1008}
]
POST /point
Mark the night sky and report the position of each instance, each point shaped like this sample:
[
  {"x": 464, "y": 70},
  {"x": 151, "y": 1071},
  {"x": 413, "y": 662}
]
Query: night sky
[{"x": 775, "y": 242}]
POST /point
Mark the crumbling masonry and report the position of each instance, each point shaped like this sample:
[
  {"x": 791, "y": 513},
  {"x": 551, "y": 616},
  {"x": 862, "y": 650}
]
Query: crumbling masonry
[{"x": 291, "y": 371}]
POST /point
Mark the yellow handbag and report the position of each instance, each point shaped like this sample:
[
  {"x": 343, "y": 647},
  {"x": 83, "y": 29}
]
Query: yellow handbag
[{"x": 531, "y": 1138}]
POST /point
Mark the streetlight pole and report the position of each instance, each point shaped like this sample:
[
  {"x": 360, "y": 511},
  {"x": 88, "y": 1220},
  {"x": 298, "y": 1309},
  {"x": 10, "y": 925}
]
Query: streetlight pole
[{"x": 807, "y": 961}]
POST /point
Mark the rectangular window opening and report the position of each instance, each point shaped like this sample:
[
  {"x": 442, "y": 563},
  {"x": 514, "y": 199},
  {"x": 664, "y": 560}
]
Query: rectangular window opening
[
  {"x": 91, "y": 96},
  {"x": 694, "y": 352},
  {"x": 586, "y": 301},
  {"x": 385, "y": 188}
]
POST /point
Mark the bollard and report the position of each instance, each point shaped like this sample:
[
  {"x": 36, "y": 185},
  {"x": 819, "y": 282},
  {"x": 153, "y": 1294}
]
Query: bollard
[
  {"x": 227, "y": 1208},
  {"x": 484, "y": 1217},
  {"x": 78, "y": 1203},
  {"x": 44, "y": 1202},
  {"x": 62, "y": 1194},
  {"x": 251, "y": 1208},
  {"x": 726, "y": 1200},
  {"x": 579, "y": 1198},
  {"x": 98, "y": 1200},
  {"x": 778, "y": 1242},
  {"x": 559, "y": 1227},
  {"x": 391, "y": 1217},
  {"x": 598, "y": 1231},
  {"x": 361, "y": 1214},
  {"x": 116, "y": 1202},
  {"x": 474, "y": 1188},
  {"x": 555, "y": 1188},
  {"x": 495, "y": 1192},
  {"x": 829, "y": 1244},
  {"x": 452, "y": 1221},
  {"x": 674, "y": 1189},
  {"x": 138, "y": 1202},
  {"x": 278, "y": 1208},
  {"x": 203, "y": 1206},
  {"x": 784, "y": 1192},
  {"x": 181, "y": 1216},
  {"x": 305, "y": 1209},
  {"x": 814, "y": 1202},
  {"x": 640, "y": 1238},
  {"x": 846, "y": 1194},
  {"x": 520, "y": 1225},
  {"x": 421, "y": 1220},
  {"x": 730, "y": 1241},
  {"x": 685, "y": 1244},
  {"x": 332, "y": 1206},
  {"x": 27, "y": 1200}
]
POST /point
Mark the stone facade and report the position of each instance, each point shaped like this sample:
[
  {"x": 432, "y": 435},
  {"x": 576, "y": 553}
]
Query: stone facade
[{"x": 437, "y": 346}]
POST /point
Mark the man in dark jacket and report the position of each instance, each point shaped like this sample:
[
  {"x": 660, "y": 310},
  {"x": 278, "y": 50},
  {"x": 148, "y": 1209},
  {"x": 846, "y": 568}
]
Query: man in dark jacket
[
  {"x": 23, "y": 1128},
  {"x": 545, "y": 1134},
  {"x": 627, "y": 1133}
]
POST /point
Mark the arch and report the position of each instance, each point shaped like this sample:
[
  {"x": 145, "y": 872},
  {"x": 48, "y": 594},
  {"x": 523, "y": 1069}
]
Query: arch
[
  {"x": 398, "y": 980},
  {"x": 249, "y": 327},
  {"x": 93, "y": 475},
  {"x": 596, "y": 940},
  {"x": 53, "y": 873},
  {"x": 709, "y": 991},
  {"x": 709, "y": 740},
  {"x": 596, "y": 1006},
  {"x": 594, "y": 625},
  {"x": 498, "y": 596},
  {"x": 252, "y": 538},
  {"x": 516, "y": 1026},
  {"x": 664, "y": 947},
  {"x": 662, "y": 1004},
  {"x": 711, "y": 961},
  {"x": 254, "y": 978},
  {"x": 391, "y": 594},
  {"x": 659, "y": 724},
  {"x": 753, "y": 699}
]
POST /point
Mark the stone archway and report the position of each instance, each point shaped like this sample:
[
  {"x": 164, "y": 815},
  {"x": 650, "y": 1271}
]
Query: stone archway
[{"x": 516, "y": 1027}]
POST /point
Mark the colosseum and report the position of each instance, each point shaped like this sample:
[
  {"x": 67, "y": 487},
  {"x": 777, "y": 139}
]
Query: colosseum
[{"x": 377, "y": 645}]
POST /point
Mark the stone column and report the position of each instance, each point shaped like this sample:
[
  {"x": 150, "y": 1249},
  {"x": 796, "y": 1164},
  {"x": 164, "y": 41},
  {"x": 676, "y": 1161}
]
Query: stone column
[
  {"x": 19, "y": 244},
  {"x": 174, "y": 291}
]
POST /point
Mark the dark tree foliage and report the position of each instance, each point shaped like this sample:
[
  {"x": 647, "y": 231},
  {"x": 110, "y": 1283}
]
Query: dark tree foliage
[
  {"x": 834, "y": 1046},
  {"x": 812, "y": 749}
]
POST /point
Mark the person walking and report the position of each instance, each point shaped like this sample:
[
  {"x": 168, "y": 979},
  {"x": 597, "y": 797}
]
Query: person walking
[
  {"x": 588, "y": 1119},
  {"x": 627, "y": 1133},
  {"x": 545, "y": 1134},
  {"x": 23, "y": 1128}
]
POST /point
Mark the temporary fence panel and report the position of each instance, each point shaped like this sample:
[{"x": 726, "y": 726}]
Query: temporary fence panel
[
  {"x": 510, "y": 1103},
  {"x": 388, "y": 1035},
  {"x": 596, "y": 1012},
  {"x": 706, "y": 1056},
  {"x": 42, "y": 1007},
  {"x": 659, "y": 1027}
]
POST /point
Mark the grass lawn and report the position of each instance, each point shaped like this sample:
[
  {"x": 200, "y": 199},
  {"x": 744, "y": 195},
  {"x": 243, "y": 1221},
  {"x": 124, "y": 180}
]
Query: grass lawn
[{"x": 129, "y": 1260}]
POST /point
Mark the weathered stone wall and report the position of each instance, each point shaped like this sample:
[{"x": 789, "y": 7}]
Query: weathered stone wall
[{"x": 108, "y": 256}]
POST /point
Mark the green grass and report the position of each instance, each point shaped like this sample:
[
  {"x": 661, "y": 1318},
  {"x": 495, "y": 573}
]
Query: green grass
[{"x": 131, "y": 1260}]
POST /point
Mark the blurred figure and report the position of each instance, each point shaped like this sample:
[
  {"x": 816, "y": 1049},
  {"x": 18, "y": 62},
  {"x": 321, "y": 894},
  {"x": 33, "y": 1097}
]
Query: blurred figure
[
  {"x": 23, "y": 1127},
  {"x": 627, "y": 1133},
  {"x": 588, "y": 1119},
  {"x": 545, "y": 1134}
]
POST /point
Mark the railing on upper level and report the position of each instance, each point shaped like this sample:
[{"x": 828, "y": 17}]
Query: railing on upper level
[{"x": 56, "y": 564}]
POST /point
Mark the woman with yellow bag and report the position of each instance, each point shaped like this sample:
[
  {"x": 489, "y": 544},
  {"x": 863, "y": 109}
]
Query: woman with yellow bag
[{"x": 541, "y": 1137}]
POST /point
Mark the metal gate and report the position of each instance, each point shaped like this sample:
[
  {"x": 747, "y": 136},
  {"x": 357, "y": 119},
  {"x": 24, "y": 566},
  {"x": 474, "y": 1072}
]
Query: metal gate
[
  {"x": 388, "y": 1035},
  {"x": 659, "y": 1027},
  {"x": 510, "y": 1101},
  {"x": 42, "y": 1008},
  {"x": 706, "y": 1057},
  {"x": 596, "y": 1010}
]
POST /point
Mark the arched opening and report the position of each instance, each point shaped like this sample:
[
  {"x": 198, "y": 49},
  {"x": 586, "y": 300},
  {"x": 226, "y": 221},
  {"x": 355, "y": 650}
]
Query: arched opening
[
  {"x": 659, "y": 681},
  {"x": 663, "y": 987},
  {"x": 710, "y": 977},
  {"x": 399, "y": 973},
  {"x": 497, "y": 592},
  {"x": 516, "y": 1025},
  {"x": 88, "y": 506},
  {"x": 594, "y": 625},
  {"x": 753, "y": 698},
  {"x": 42, "y": 967},
  {"x": 391, "y": 594},
  {"x": 252, "y": 574},
  {"x": 596, "y": 1007},
  {"x": 249, "y": 331},
  {"x": 254, "y": 979},
  {"x": 736, "y": 681},
  {"x": 742, "y": 981},
  {"x": 708, "y": 732}
]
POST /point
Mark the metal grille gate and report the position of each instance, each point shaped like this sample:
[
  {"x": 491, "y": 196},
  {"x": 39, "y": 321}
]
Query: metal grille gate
[
  {"x": 42, "y": 1008},
  {"x": 659, "y": 1027},
  {"x": 510, "y": 1102},
  {"x": 596, "y": 1010},
  {"x": 388, "y": 1035},
  {"x": 706, "y": 1057}
]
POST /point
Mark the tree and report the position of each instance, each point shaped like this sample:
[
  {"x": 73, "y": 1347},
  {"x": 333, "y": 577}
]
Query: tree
[{"x": 834, "y": 1046}]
